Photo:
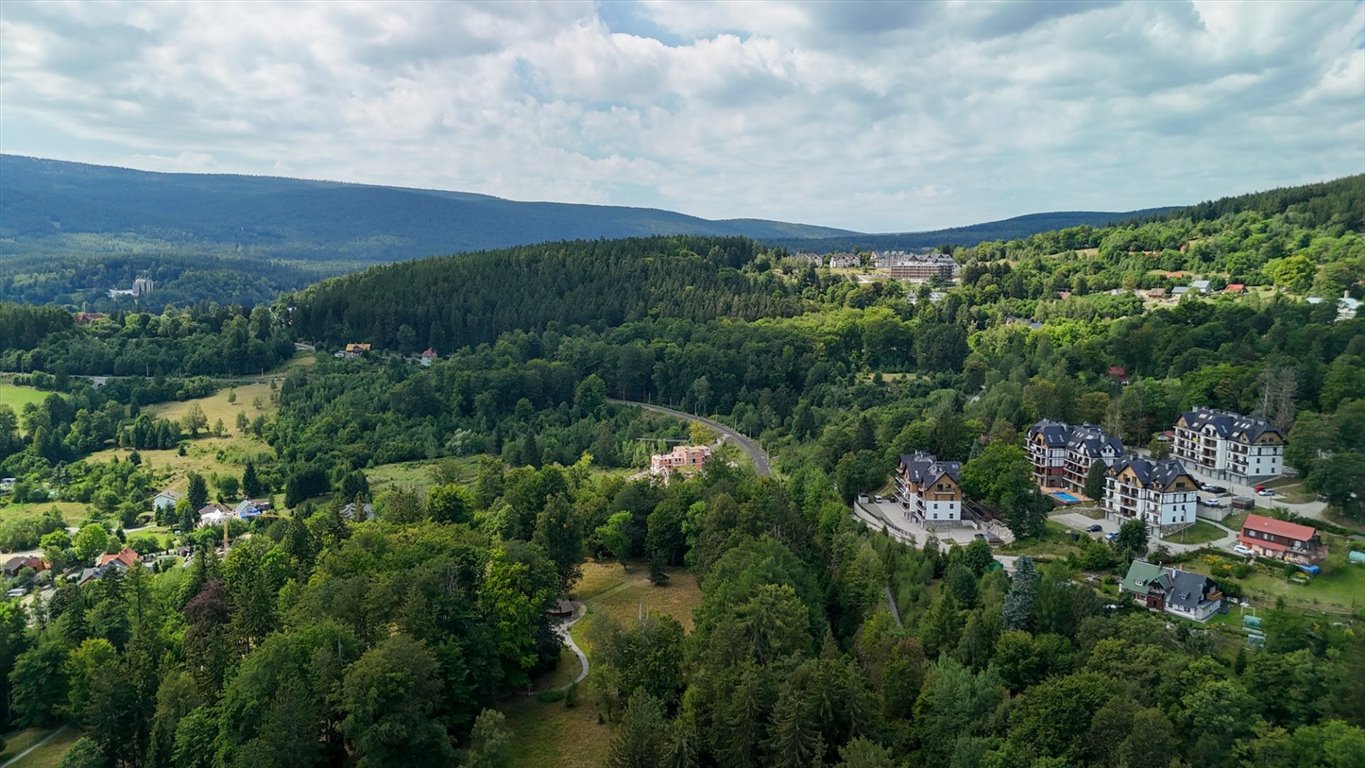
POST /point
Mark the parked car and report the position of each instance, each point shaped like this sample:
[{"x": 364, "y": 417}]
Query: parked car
[
  {"x": 1094, "y": 528},
  {"x": 1242, "y": 550},
  {"x": 1211, "y": 502},
  {"x": 1211, "y": 488},
  {"x": 1114, "y": 536},
  {"x": 1265, "y": 492}
]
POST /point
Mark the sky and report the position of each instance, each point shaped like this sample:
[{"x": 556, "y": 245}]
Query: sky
[{"x": 866, "y": 116}]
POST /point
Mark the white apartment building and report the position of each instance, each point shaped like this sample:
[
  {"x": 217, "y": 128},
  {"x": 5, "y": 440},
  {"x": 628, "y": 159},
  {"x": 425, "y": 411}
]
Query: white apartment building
[
  {"x": 1159, "y": 493},
  {"x": 1229, "y": 445}
]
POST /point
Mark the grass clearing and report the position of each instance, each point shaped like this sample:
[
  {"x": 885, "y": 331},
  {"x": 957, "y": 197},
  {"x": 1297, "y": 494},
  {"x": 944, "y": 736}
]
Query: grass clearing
[
  {"x": 418, "y": 474},
  {"x": 50, "y": 754},
  {"x": 1055, "y": 542},
  {"x": 216, "y": 406},
  {"x": 207, "y": 456},
  {"x": 16, "y": 397},
  {"x": 19, "y": 740},
  {"x": 1201, "y": 532},
  {"x": 551, "y": 735},
  {"x": 73, "y": 512}
]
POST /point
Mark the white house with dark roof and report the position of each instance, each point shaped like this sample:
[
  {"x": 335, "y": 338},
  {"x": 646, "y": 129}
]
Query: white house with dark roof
[
  {"x": 1159, "y": 493},
  {"x": 1062, "y": 454},
  {"x": 930, "y": 490},
  {"x": 1229, "y": 445},
  {"x": 1189, "y": 595},
  {"x": 166, "y": 500}
]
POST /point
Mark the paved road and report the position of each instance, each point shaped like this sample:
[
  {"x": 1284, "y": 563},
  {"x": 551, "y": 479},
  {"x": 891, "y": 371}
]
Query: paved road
[
  {"x": 761, "y": 466},
  {"x": 14, "y": 760}
]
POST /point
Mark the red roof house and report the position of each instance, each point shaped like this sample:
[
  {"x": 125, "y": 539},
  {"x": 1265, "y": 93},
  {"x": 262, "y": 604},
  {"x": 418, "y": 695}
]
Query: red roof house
[
  {"x": 128, "y": 557},
  {"x": 1282, "y": 540},
  {"x": 1235, "y": 288}
]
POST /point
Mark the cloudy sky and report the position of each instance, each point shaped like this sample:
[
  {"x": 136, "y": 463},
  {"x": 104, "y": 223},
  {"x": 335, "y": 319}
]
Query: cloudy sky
[{"x": 880, "y": 117}]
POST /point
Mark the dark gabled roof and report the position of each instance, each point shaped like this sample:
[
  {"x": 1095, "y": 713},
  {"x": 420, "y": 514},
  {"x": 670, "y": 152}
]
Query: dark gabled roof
[
  {"x": 1091, "y": 440},
  {"x": 1087, "y": 439},
  {"x": 1152, "y": 473},
  {"x": 1055, "y": 433},
  {"x": 1229, "y": 425},
  {"x": 925, "y": 469},
  {"x": 1188, "y": 589}
]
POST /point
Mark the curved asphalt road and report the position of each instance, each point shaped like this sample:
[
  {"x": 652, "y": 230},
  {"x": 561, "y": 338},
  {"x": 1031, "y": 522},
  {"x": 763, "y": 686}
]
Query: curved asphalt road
[{"x": 761, "y": 466}]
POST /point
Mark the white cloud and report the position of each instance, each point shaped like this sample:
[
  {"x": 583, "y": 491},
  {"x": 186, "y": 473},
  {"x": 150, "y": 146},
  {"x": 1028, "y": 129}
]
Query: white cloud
[{"x": 865, "y": 115}]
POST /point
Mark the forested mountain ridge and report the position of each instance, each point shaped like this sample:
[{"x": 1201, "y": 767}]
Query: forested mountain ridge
[
  {"x": 56, "y": 207},
  {"x": 453, "y": 301}
]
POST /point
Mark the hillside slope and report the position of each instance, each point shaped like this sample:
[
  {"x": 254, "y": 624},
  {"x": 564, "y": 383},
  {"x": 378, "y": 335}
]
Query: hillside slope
[{"x": 60, "y": 207}]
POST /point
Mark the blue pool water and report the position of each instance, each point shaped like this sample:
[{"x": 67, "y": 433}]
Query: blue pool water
[{"x": 1066, "y": 498}]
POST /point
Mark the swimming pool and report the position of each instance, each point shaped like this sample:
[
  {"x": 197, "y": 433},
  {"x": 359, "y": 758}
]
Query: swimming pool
[{"x": 1065, "y": 498}]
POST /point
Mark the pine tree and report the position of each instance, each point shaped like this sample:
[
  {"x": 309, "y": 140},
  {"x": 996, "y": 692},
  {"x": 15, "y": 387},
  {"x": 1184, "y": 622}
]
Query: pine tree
[
  {"x": 639, "y": 739},
  {"x": 657, "y": 576},
  {"x": 1023, "y": 592},
  {"x": 251, "y": 483},
  {"x": 795, "y": 740}
]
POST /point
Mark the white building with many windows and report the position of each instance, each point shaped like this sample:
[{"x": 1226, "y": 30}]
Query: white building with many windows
[
  {"x": 1229, "y": 445},
  {"x": 929, "y": 490},
  {"x": 1061, "y": 454},
  {"x": 1159, "y": 493}
]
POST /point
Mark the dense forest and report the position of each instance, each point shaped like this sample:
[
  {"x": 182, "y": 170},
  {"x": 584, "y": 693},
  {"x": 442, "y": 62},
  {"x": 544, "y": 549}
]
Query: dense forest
[
  {"x": 84, "y": 282},
  {"x": 322, "y": 637}
]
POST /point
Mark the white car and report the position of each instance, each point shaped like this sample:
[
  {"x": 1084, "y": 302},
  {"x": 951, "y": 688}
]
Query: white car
[
  {"x": 1265, "y": 492},
  {"x": 1242, "y": 550},
  {"x": 1211, "y": 502}
]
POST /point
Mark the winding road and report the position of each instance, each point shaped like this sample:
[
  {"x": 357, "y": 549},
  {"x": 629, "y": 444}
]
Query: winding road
[{"x": 761, "y": 465}]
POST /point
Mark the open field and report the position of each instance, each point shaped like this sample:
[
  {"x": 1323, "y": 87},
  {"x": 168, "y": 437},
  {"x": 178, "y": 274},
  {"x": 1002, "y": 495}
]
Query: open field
[
  {"x": 610, "y": 590},
  {"x": 216, "y": 406},
  {"x": 73, "y": 512},
  {"x": 207, "y": 456},
  {"x": 16, "y": 397},
  {"x": 551, "y": 735}
]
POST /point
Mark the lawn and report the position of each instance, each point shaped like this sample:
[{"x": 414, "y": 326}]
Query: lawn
[
  {"x": 1201, "y": 532},
  {"x": 50, "y": 754},
  {"x": 1290, "y": 490},
  {"x": 19, "y": 740},
  {"x": 552, "y": 735},
  {"x": 1339, "y": 592},
  {"x": 16, "y": 397}
]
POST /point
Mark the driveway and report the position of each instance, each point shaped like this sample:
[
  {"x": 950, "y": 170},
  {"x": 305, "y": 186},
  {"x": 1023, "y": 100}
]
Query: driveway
[
  {"x": 889, "y": 514},
  {"x": 1078, "y": 522},
  {"x": 761, "y": 466}
]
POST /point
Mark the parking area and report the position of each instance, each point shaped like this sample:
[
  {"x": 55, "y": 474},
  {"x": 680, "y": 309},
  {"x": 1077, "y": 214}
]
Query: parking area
[
  {"x": 891, "y": 513},
  {"x": 1078, "y": 522}
]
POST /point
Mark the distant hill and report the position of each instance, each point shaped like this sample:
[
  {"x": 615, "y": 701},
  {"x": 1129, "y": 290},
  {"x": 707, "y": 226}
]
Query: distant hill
[
  {"x": 1005, "y": 229},
  {"x": 51, "y": 206}
]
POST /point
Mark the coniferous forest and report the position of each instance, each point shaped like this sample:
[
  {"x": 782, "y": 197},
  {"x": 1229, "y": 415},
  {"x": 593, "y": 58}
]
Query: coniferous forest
[{"x": 395, "y": 598}]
